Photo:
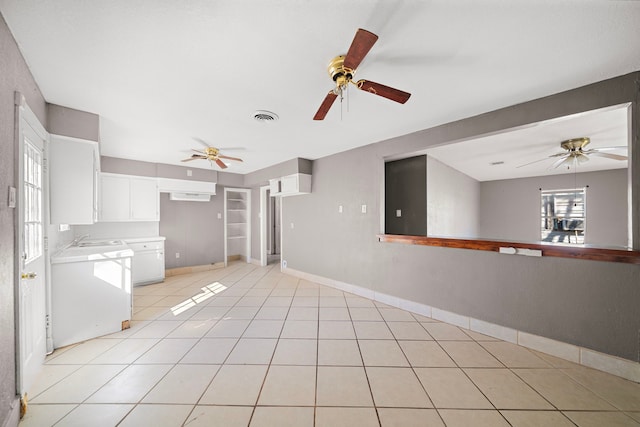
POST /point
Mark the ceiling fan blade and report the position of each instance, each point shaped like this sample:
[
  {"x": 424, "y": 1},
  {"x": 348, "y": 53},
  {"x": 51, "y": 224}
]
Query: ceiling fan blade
[
  {"x": 608, "y": 155},
  {"x": 194, "y": 157},
  {"x": 220, "y": 163},
  {"x": 202, "y": 142},
  {"x": 383, "y": 91},
  {"x": 562, "y": 160},
  {"x": 618, "y": 147},
  {"x": 232, "y": 148},
  {"x": 230, "y": 158},
  {"x": 531, "y": 163},
  {"x": 325, "y": 106},
  {"x": 199, "y": 151},
  {"x": 362, "y": 43}
]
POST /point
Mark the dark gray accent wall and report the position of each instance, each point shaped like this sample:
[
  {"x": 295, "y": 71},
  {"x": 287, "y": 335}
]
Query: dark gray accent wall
[
  {"x": 405, "y": 187},
  {"x": 193, "y": 230},
  {"x": 75, "y": 123},
  {"x": 592, "y": 304},
  {"x": 14, "y": 76}
]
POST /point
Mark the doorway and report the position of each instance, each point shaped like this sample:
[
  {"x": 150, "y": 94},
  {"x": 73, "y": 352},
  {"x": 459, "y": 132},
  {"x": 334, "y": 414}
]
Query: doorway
[
  {"x": 31, "y": 260},
  {"x": 273, "y": 229},
  {"x": 270, "y": 226}
]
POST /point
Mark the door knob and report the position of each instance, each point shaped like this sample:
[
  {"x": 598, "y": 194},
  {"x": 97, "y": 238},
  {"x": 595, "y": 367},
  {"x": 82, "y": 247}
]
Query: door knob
[{"x": 29, "y": 276}]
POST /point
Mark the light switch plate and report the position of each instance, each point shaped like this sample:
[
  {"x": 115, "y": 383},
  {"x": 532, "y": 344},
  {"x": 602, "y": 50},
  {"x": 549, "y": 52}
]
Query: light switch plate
[
  {"x": 364, "y": 208},
  {"x": 340, "y": 209},
  {"x": 189, "y": 172},
  {"x": 219, "y": 215},
  {"x": 398, "y": 213},
  {"x": 12, "y": 197}
]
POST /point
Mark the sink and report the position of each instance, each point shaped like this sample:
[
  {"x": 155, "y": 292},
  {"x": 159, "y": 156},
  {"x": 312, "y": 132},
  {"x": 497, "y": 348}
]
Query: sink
[{"x": 99, "y": 243}]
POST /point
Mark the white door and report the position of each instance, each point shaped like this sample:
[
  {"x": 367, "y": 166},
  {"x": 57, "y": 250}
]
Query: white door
[{"x": 32, "y": 267}]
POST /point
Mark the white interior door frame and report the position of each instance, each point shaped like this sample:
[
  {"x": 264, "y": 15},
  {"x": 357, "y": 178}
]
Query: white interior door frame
[
  {"x": 27, "y": 122},
  {"x": 264, "y": 218}
]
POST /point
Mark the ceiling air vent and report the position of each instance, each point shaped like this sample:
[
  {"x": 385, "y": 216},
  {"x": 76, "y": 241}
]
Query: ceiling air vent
[{"x": 265, "y": 116}]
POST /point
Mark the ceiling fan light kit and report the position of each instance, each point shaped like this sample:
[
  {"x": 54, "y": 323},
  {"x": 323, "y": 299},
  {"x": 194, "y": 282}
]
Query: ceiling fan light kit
[{"x": 342, "y": 68}]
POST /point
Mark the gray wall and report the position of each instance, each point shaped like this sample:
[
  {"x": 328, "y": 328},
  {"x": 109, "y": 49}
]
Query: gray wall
[
  {"x": 587, "y": 303},
  {"x": 15, "y": 76},
  {"x": 75, "y": 123},
  {"x": 257, "y": 179},
  {"x": 453, "y": 202},
  {"x": 510, "y": 209},
  {"x": 193, "y": 230}
]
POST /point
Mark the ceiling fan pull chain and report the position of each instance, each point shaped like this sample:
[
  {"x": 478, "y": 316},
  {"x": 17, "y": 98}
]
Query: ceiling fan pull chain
[
  {"x": 341, "y": 98},
  {"x": 347, "y": 98}
]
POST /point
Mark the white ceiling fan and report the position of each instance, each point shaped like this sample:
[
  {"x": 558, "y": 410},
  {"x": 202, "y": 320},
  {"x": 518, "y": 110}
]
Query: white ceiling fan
[{"x": 575, "y": 153}]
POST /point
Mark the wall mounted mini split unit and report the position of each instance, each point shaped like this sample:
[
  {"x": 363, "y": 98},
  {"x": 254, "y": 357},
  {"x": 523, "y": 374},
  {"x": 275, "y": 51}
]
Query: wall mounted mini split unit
[{"x": 189, "y": 197}]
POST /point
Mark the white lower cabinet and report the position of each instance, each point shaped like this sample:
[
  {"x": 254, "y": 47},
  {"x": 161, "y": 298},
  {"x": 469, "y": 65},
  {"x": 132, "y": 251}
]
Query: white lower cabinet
[
  {"x": 128, "y": 198},
  {"x": 147, "y": 264}
]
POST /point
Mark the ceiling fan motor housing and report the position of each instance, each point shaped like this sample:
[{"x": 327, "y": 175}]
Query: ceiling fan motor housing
[
  {"x": 212, "y": 151},
  {"x": 338, "y": 72},
  {"x": 575, "y": 144}
]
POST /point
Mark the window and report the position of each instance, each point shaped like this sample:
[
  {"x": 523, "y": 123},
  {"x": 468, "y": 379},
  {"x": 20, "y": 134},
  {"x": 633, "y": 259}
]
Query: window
[
  {"x": 32, "y": 202},
  {"x": 563, "y": 216}
]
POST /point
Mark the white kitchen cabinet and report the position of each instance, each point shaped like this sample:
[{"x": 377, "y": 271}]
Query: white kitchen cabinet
[
  {"x": 128, "y": 198},
  {"x": 144, "y": 199},
  {"x": 291, "y": 185},
  {"x": 73, "y": 173},
  {"x": 147, "y": 265}
]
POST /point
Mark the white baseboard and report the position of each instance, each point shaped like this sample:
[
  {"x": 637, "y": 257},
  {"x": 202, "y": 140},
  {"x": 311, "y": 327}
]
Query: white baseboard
[{"x": 604, "y": 362}]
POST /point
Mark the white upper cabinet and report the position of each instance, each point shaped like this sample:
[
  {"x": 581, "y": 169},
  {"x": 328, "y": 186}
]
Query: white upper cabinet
[
  {"x": 144, "y": 199},
  {"x": 128, "y": 198},
  {"x": 291, "y": 185},
  {"x": 74, "y": 165}
]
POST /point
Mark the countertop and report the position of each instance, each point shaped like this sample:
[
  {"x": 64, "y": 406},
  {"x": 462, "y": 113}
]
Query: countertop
[{"x": 71, "y": 253}]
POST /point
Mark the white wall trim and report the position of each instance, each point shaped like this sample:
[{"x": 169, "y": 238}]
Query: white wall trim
[{"x": 580, "y": 355}]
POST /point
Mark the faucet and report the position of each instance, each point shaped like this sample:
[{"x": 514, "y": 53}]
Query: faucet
[{"x": 78, "y": 239}]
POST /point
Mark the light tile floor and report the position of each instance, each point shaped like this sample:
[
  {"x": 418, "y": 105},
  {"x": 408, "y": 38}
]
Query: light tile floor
[{"x": 246, "y": 345}]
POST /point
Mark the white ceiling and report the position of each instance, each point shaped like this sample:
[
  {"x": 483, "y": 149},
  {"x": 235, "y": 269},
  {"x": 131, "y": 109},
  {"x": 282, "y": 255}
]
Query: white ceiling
[
  {"x": 162, "y": 72},
  {"x": 508, "y": 154}
]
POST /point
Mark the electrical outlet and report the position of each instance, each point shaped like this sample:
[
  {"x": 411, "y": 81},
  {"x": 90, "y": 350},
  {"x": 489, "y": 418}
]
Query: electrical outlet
[
  {"x": 284, "y": 263},
  {"x": 177, "y": 254},
  {"x": 340, "y": 209},
  {"x": 398, "y": 213},
  {"x": 189, "y": 172},
  {"x": 219, "y": 215},
  {"x": 292, "y": 226}
]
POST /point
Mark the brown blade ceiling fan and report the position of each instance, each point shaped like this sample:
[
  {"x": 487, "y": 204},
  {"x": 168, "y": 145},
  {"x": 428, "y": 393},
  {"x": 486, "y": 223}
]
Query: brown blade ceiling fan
[
  {"x": 343, "y": 67},
  {"x": 212, "y": 154}
]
